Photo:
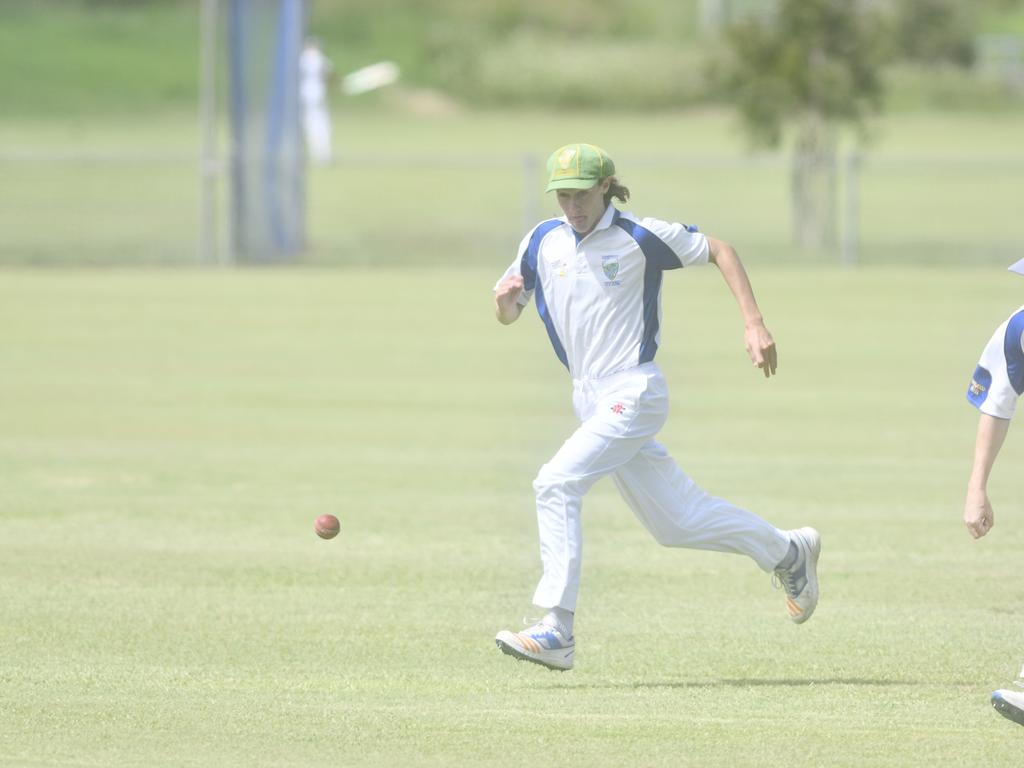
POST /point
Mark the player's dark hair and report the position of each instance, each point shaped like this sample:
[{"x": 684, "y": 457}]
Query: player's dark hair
[{"x": 617, "y": 191}]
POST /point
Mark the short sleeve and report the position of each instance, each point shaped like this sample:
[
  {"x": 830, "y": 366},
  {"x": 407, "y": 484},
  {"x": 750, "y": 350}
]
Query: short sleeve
[
  {"x": 688, "y": 244},
  {"x": 516, "y": 269},
  {"x": 998, "y": 379}
]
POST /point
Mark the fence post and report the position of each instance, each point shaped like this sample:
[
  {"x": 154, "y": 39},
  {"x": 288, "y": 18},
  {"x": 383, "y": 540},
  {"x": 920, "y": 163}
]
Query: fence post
[
  {"x": 851, "y": 216},
  {"x": 531, "y": 177},
  {"x": 209, "y": 165}
]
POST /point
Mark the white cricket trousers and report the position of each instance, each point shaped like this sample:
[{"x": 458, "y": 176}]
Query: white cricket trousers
[{"x": 620, "y": 415}]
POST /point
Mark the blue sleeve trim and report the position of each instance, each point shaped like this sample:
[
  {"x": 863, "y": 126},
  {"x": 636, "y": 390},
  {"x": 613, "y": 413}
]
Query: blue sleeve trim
[
  {"x": 655, "y": 249},
  {"x": 1013, "y": 352},
  {"x": 528, "y": 268},
  {"x": 528, "y": 263},
  {"x": 981, "y": 382}
]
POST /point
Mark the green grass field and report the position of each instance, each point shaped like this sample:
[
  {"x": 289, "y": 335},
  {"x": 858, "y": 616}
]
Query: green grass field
[{"x": 168, "y": 436}]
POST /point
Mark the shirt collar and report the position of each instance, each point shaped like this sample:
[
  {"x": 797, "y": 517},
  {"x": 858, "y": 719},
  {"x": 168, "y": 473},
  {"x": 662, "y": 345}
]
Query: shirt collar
[{"x": 608, "y": 218}]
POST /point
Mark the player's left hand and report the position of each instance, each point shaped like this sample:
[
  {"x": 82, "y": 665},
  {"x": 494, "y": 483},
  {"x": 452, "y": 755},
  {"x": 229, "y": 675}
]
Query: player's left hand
[
  {"x": 978, "y": 515},
  {"x": 761, "y": 348}
]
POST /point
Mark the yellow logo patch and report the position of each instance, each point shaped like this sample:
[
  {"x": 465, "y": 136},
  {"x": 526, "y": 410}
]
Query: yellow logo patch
[
  {"x": 565, "y": 158},
  {"x": 976, "y": 388}
]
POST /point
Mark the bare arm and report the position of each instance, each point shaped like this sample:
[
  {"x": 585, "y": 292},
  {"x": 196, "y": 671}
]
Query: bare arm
[
  {"x": 760, "y": 344},
  {"x": 506, "y": 300},
  {"x": 978, "y": 516}
]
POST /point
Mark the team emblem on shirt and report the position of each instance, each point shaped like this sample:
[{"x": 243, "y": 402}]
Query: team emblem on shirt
[
  {"x": 618, "y": 408},
  {"x": 981, "y": 381},
  {"x": 610, "y": 265}
]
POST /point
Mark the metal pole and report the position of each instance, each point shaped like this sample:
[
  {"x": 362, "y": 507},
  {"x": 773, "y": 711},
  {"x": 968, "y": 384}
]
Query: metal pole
[
  {"x": 208, "y": 161},
  {"x": 531, "y": 179},
  {"x": 851, "y": 222}
]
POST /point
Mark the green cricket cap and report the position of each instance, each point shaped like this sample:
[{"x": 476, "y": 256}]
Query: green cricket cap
[{"x": 578, "y": 166}]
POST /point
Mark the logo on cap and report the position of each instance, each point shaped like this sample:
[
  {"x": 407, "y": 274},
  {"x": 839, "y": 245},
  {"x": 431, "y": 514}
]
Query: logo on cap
[{"x": 577, "y": 166}]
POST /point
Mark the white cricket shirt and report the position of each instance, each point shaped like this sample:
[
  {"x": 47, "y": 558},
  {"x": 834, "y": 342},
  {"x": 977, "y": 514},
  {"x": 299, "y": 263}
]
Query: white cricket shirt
[
  {"x": 600, "y": 296},
  {"x": 999, "y": 378}
]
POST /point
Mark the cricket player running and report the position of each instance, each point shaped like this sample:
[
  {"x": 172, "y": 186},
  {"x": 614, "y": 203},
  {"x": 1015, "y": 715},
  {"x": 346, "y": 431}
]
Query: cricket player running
[
  {"x": 595, "y": 275},
  {"x": 997, "y": 384}
]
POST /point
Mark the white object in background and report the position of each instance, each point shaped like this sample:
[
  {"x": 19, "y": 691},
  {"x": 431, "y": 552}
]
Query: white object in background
[
  {"x": 315, "y": 70},
  {"x": 370, "y": 78}
]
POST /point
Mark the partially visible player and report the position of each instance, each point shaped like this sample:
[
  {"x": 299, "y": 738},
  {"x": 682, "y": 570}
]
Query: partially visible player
[
  {"x": 315, "y": 71},
  {"x": 595, "y": 275},
  {"x": 997, "y": 384}
]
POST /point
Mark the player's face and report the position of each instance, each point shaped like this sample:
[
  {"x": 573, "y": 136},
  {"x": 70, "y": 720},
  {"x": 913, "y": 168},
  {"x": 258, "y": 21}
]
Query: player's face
[{"x": 584, "y": 207}]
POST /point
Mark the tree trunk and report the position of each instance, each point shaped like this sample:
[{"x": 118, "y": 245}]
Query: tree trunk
[{"x": 814, "y": 186}]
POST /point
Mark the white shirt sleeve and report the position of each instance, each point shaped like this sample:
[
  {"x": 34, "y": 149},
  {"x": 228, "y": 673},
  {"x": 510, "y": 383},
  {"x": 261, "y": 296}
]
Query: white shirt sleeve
[
  {"x": 689, "y": 245},
  {"x": 994, "y": 388},
  {"x": 516, "y": 269}
]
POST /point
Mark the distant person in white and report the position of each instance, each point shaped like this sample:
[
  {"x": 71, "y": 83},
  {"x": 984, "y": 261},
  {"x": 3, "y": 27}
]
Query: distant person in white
[
  {"x": 315, "y": 71},
  {"x": 595, "y": 276},
  {"x": 997, "y": 384}
]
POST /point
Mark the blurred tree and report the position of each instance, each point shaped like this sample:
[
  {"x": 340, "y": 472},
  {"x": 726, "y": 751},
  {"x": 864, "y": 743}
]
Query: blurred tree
[
  {"x": 814, "y": 64},
  {"x": 933, "y": 31}
]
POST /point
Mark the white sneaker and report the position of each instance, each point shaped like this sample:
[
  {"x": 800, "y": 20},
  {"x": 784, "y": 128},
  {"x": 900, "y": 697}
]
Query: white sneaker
[
  {"x": 1009, "y": 704},
  {"x": 541, "y": 644},
  {"x": 801, "y": 580}
]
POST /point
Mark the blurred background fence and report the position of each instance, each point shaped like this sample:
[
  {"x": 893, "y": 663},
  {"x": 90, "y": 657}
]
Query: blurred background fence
[
  {"x": 100, "y": 137},
  {"x": 142, "y": 206}
]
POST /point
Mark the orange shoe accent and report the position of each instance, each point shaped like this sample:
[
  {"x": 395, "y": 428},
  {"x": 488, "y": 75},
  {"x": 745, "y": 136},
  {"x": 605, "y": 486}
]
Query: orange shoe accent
[
  {"x": 529, "y": 643},
  {"x": 794, "y": 609}
]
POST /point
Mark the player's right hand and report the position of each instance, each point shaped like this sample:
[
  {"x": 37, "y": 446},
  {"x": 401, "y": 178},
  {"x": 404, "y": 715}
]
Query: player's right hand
[
  {"x": 508, "y": 290},
  {"x": 506, "y": 299},
  {"x": 978, "y": 516}
]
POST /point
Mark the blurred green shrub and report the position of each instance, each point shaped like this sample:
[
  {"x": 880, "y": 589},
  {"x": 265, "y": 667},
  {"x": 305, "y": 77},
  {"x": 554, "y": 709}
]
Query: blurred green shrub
[
  {"x": 934, "y": 31},
  {"x": 947, "y": 87},
  {"x": 83, "y": 56},
  {"x": 528, "y": 68},
  {"x": 578, "y": 53}
]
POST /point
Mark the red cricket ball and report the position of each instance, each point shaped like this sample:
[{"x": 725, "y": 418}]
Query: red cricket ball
[{"x": 327, "y": 526}]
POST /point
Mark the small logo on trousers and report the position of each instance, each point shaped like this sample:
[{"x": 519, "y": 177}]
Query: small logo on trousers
[{"x": 618, "y": 408}]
